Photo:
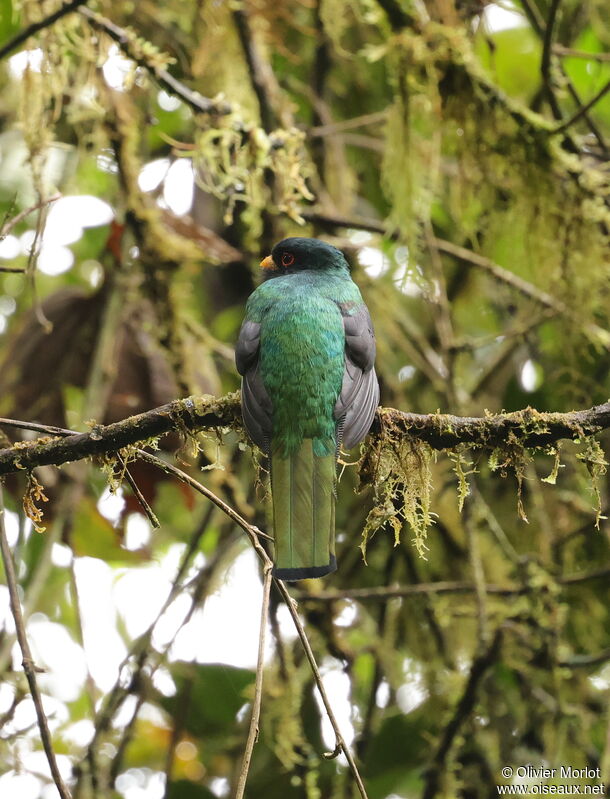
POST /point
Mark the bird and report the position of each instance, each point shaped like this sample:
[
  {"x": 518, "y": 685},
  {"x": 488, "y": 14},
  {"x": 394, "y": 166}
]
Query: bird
[{"x": 306, "y": 354}]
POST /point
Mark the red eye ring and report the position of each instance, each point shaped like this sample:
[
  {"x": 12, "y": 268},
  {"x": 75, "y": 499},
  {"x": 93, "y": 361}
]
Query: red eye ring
[{"x": 287, "y": 259}]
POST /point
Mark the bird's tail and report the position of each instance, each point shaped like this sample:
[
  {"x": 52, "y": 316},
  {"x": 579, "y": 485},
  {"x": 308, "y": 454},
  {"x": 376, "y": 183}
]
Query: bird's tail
[{"x": 303, "y": 492}]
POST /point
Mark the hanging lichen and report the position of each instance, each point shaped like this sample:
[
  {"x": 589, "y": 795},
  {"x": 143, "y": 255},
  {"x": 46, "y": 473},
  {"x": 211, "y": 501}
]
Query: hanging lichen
[
  {"x": 34, "y": 493},
  {"x": 512, "y": 457},
  {"x": 462, "y": 470},
  {"x": 283, "y": 697},
  {"x": 399, "y": 469},
  {"x": 557, "y": 465},
  {"x": 231, "y": 160},
  {"x": 594, "y": 458}
]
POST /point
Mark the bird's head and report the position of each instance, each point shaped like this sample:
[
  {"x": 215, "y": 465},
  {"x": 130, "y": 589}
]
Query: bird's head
[{"x": 298, "y": 254}]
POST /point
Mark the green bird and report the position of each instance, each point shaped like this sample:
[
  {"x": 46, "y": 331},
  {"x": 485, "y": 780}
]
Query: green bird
[{"x": 306, "y": 353}]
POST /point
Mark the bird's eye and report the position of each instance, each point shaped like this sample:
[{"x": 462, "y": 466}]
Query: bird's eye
[{"x": 287, "y": 259}]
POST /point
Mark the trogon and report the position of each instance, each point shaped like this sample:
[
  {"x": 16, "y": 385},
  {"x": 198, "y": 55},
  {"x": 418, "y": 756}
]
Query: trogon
[{"x": 306, "y": 353}]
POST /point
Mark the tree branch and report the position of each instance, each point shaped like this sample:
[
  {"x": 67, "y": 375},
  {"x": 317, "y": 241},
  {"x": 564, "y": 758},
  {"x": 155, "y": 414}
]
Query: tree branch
[
  {"x": 213, "y": 411},
  {"x": 199, "y": 103},
  {"x": 9, "y": 224},
  {"x": 258, "y": 689},
  {"x": 28, "y": 662},
  {"x": 583, "y": 109},
  {"x": 254, "y": 534},
  {"x": 381, "y": 593},
  {"x": 441, "y": 431},
  {"x": 545, "y": 63},
  {"x": 568, "y": 52}
]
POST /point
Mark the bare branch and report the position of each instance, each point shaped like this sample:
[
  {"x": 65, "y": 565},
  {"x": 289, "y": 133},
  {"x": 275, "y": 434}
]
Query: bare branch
[
  {"x": 199, "y": 103},
  {"x": 335, "y": 128},
  {"x": 545, "y": 63},
  {"x": 382, "y": 593},
  {"x": 254, "y": 534},
  {"x": 258, "y": 688},
  {"x": 568, "y": 52},
  {"x": 10, "y": 223},
  {"x": 340, "y": 741},
  {"x": 28, "y": 662},
  {"x": 583, "y": 109}
]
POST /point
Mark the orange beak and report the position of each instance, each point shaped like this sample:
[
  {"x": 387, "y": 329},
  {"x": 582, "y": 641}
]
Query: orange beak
[{"x": 268, "y": 263}]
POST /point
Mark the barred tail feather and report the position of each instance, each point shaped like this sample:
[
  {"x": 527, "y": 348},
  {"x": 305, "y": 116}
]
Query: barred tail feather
[{"x": 303, "y": 492}]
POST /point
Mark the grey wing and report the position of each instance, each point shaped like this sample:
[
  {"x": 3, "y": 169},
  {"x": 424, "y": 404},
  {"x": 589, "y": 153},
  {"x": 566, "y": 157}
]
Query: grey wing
[
  {"x": 256, "y": 407},
  {"x": 359, "y": 397}
]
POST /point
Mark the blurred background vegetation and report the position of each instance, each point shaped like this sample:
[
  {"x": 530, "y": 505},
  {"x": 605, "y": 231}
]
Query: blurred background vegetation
[{"x": 447, "y": 147}]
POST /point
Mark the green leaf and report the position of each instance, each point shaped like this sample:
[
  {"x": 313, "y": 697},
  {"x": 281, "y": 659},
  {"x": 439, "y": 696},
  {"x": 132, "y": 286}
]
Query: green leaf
[
  {"x": 216, "y": 692},
  {"x": 185, "y": 789},
  {"x": 95, "y": 537}
]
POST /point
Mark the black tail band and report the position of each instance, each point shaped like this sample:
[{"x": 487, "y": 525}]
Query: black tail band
[{"x": 305, "y": 572}]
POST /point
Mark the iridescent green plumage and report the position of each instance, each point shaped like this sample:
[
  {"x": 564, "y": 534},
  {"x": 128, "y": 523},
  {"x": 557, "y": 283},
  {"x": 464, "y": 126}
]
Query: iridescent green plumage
[{"x": 306, "y": 352}]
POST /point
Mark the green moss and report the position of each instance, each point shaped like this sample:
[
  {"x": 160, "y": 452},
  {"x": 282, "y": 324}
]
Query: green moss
[
  {"x": 557, "y": 465},
  {"x": 594, "y": 459},
  {"x": 399, "y": 469},
  {"x": 462, "y": 470},
  {"x": 34, "y": 493},
  {"x": 512, "y": 457}
]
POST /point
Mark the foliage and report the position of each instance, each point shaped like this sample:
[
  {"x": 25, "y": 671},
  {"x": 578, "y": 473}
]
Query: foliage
[{"x": 450, "y": 161}]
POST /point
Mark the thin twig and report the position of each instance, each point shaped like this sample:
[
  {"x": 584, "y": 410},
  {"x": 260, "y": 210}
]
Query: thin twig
[
  {"x": 545, "y": 63},
  {"x": 37, "y": 580},
  {"x": 583, "y": 109},
  {"x": 537, "y": 23},
  {"x": 584, "y": 661},
  {"x": 340, "y": 746},
  {"x": 382, "y": 593},
  {"x": 334, "y": 128},
  {"x": 568, "y": 52},
  {"x": 149, "y": 512},
  {"x": 254, "y": 534},
  {"x": 448, "y": 247},
  {"x": 35, "y": 27},
  {"x": 258, "y": 686},
  {"x": 15, "y": 220},
  {"x": 34, "y": 254},
  {"x": 27, "y": 660},
  {"x": 192, "y": 98},
  {"x": 504, "y": 275}
]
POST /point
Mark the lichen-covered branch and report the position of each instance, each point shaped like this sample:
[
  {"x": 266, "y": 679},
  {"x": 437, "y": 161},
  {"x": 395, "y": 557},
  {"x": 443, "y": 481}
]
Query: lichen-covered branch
[
  {"x": 126, "y": 41},
  {"x": 529, "y": 427}
]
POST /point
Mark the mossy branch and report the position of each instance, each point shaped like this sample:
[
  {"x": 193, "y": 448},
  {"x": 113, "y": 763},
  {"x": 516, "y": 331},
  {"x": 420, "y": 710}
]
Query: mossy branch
[{"x": 440, "y": 431}]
